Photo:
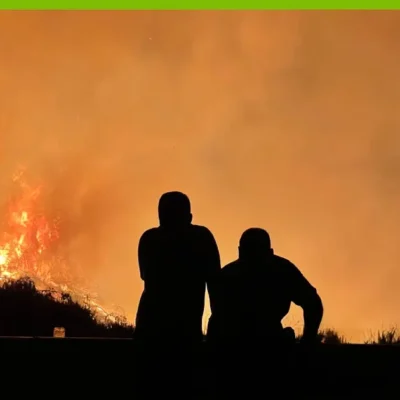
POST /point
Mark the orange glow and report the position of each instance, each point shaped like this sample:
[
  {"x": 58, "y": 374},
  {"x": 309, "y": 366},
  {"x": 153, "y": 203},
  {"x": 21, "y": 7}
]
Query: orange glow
[
  {"x": 288, "y": 120},
  {"x": 28, "y": 246}
]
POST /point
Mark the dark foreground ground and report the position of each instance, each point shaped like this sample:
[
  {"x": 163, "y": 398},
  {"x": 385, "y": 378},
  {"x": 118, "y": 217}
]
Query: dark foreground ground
[{"x": 94, "y": 368}]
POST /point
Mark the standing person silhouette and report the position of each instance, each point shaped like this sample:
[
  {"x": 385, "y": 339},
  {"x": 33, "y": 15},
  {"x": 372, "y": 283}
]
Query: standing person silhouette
[{"x": 177, "y": 261}]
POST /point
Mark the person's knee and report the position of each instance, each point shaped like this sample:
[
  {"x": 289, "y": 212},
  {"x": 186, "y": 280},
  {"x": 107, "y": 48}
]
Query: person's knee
[{"x": 289, "y": 335}]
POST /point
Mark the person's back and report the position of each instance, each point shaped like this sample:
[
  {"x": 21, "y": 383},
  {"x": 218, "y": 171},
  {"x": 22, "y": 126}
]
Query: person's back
[
  {"x": 257, "y": 299},
  {"x": 177, "y": 260},
  {"x": 254, "y": 295},
  {"x": 256, "y": 291}
]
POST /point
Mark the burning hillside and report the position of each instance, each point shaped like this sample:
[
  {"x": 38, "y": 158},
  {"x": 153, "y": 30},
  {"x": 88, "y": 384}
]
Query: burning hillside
[{"x": 29, "y": 247}]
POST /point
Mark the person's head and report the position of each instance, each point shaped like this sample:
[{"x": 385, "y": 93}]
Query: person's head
[
  {"x": 255, "y": 245},
  {"x": 174, "y": 209}
]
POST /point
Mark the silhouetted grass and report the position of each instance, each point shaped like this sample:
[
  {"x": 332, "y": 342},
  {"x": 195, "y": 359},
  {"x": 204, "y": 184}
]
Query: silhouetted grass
[
  {"x": 330, "y": 336},
  {"x": 26, "y": 311},
  {"x": 390, "y": 336}
]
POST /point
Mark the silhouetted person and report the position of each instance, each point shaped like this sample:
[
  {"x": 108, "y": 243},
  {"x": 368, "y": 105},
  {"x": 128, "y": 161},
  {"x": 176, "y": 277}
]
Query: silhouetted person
[
  {"x": 177, "y": 260},
  {"x": 255, "y": 293}
]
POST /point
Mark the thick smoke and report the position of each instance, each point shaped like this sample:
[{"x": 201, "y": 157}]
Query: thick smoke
[{"x": 285, "y": 120}]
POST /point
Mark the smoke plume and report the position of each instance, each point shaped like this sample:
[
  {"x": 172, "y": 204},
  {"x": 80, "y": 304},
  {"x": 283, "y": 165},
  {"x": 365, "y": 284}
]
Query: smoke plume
[{"x": 284, "y": 120}]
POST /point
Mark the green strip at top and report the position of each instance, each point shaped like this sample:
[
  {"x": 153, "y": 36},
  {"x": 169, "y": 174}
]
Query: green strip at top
[{"x": 199, "y": 5}]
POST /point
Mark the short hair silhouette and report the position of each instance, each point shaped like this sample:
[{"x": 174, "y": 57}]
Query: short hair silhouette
[
  {"x": 255, "y": 243},
  {"x": 174, "y": 209}
]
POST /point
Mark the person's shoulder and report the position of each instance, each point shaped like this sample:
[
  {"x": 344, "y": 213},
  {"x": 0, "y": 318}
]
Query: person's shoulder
[
  {"x": 284, "y": 262},
  {"x": 231, "y": 269},
  {"x": 291, "y": 272},
  {"x": 285, "y": 265},
  {"x": 201, "y": 231},
  {"x": 200, "y": 228},
  {"x": 150, "y": 233}
]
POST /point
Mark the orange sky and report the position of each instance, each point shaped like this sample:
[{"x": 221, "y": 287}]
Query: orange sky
[{"x": 285, "y": 120}]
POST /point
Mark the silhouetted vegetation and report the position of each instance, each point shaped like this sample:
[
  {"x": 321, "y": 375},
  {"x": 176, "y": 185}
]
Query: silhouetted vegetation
[
  {"x": 390, "y": 336},
  {"x": 330, "y": 336},
  {"x": 384, "y": 337},
  {"x": 26, "y": 311}
]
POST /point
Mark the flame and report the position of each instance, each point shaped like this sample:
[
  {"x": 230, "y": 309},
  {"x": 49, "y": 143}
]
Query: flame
[
  {"x": 28, "y": 234},
  {"x": 29, "y": 247}
]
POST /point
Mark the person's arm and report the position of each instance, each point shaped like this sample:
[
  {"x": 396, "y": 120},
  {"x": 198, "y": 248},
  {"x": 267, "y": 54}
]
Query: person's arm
[
  {"x": 306, "y": 296},
  {"x": 313, "y": 312},
  {"x": 213, "y": 268},
  {"x": 144, "y": 254}
]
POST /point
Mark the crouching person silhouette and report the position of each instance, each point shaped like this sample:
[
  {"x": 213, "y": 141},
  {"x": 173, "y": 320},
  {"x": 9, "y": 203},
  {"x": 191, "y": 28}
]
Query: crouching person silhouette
[
  {"x": 177, "y": 261},
  {"x": 255, "y": 294}
]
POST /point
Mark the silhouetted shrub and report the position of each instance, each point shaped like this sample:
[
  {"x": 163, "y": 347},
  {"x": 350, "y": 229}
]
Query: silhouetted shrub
[
  {"x": 330, "y": 336},
  {"x": 26, "y": 311},
  {"x": 390, "y": 336}
]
